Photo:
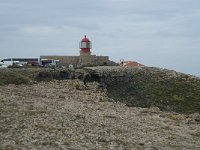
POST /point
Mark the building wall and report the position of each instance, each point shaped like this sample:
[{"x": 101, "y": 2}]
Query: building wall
[
  {"x": 93, "y": 60},
  {"x": 82, "y": 60},
  {"x": 64, "y": 60}
]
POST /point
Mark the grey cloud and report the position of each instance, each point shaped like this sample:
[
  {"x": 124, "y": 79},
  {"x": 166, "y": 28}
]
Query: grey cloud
[{"x": 152, "y": 32}]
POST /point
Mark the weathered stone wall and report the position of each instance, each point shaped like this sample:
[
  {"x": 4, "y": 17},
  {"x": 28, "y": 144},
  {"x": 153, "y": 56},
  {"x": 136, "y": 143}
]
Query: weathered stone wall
[
  {"x": 83, "y": 60},
  {"x": 93, "y": 60}
]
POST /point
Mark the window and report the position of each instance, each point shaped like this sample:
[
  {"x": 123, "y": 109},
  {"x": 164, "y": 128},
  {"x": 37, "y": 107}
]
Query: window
[
  {"x": 85, "y": 44},
  {"x": 9, "y": 59}
]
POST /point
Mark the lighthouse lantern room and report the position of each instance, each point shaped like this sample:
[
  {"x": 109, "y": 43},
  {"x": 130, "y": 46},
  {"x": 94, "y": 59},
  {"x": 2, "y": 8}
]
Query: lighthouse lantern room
[{"x": 85, "y": 46}]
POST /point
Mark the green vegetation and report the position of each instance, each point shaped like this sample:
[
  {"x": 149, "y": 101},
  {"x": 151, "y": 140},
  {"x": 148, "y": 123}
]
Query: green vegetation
[
  {"x": 77, "y": 86},
  {"x": 12, "y": 77},
  {"x": 18, "y": 75},
  {"x": 180, "y": 93},
  {"x": 165, "y": 89}
]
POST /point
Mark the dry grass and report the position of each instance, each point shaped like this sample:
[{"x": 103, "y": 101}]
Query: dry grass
[{"x": 57, "y": 115}]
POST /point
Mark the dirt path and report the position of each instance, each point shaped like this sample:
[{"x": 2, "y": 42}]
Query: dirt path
[{"x": 67, "y": 115}]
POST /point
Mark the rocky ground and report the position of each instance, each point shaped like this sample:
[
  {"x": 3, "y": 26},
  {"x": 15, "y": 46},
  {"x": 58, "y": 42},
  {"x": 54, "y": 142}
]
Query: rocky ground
[{"x": 69, "y": 115}]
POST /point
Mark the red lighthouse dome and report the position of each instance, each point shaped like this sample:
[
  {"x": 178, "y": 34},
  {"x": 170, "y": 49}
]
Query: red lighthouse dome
[{"x": 85, "y": 46}]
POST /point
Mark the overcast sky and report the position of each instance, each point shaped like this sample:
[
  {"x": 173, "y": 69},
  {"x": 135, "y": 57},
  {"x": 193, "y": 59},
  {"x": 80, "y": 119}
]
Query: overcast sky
[{"x": 160, "y": 33}]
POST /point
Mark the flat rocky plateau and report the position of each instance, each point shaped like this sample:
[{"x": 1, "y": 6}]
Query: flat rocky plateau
[{"x": 70, "y": 115}]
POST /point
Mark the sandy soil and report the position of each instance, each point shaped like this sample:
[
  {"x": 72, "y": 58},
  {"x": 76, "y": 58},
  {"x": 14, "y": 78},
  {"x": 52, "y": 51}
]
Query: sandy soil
[{"x": 69, "y": 115}]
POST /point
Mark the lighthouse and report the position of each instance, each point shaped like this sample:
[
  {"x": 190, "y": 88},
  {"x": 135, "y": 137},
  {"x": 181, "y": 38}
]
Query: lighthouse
[
  {"x": 85, "y": 45},
  {"x": 85, "y": 59}
]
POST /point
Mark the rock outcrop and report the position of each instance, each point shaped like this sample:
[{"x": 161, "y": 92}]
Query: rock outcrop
[
  {"x": 135, "y": 86},
  {"x": 149, "y": 86}
]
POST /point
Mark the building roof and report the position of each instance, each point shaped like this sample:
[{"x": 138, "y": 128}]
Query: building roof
[
  {"x": 85, "y": 39},
  {"x": 131, "y": 64}
]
